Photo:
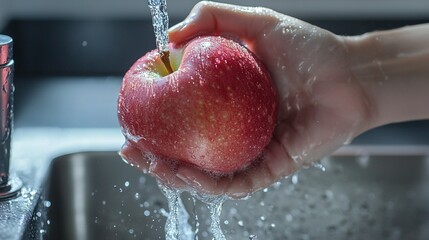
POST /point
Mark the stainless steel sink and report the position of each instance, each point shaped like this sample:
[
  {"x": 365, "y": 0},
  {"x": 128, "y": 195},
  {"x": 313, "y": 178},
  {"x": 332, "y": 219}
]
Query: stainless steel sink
[
  {"x": 94, "y": 195},
  {"x": 363, "y": 193}
]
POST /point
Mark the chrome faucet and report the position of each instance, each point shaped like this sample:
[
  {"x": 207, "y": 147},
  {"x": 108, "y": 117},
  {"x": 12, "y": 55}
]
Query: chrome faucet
[{"x": 9, "y": 185}]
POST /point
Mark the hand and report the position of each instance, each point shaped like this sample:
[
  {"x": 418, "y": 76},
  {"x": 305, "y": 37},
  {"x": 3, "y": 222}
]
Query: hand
[{"x": 321, "y": 105}]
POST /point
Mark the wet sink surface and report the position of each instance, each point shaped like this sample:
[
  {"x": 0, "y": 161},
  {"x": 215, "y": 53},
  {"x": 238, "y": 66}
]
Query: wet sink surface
[{"x": 94, "y": 195}]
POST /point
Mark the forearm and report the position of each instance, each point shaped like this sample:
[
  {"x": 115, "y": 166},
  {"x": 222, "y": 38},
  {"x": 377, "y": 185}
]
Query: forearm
[{"x": 393, "y": 69}]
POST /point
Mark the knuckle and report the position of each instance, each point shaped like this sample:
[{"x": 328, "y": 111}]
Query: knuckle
[{"x": 203, "y": 5}]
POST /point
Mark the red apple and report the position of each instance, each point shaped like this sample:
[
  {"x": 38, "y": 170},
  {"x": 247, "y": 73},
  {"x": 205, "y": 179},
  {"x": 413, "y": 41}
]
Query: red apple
[{"x": 217, "y": 110}]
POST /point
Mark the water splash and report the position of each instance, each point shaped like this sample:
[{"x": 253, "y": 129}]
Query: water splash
[
  {"x": 319, "y": 165},
  {"x": 215, "y": 207},
  {"x": 177, "y": 226}
]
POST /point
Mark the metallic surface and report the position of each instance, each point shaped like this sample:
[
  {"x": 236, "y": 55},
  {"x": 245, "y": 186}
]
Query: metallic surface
[
  {"x": 6, "y": 53},
  {"x": 11, "y": 188},
  {"x": 6, "y": 112},
  {"x": 94, "y": 195},
  {"x": 366, "y": 192},
  {"x": 32, "y": 152}
]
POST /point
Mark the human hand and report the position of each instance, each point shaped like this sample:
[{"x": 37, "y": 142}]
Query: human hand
[{"x": 321, "y": 105}]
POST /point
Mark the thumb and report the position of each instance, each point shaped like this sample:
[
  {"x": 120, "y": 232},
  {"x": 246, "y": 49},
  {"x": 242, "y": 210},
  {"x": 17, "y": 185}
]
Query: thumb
[{"x": 248, "y": 23}]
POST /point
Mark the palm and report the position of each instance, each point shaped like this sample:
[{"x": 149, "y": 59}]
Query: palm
[{"x": 321, "y": 106}]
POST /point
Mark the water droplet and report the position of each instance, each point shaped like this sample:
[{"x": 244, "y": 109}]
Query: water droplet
[
  {"x": 295, "y": 179},
  {"x": 363, "y": 160},
  {"x": 277, "y": 185},
  {"x": 127, "y": 184},
  {"x": 46, "y": 203},
  {"x": 328, "y": 195},
  {"x": 253, "y": 237},
  {"x": 142, "y": 180},
  {"x": 318, "y": 165}
]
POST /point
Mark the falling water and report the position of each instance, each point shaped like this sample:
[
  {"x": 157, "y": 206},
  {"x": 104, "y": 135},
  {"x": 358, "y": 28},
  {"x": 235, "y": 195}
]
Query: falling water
[
  {"x": 215, "y": 208},
  {"x": 177, "y": 226},
  {"x": 158, "y": 10}
]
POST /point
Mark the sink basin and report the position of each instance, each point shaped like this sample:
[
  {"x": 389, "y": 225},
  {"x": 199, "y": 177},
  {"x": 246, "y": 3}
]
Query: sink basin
[
  {"x": 95, "y": 195},
  {"x": 375, "y": 195}
]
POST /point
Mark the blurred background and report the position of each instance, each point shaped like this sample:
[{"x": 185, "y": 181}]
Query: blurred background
[{"x": 70, "y": 55}]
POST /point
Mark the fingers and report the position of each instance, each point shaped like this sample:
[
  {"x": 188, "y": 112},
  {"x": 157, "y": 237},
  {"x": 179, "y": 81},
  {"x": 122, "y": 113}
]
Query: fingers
[
  {"x": 202, "y": 181},
  {"x": 278, "y": 161},
  {"x": 164, "y": 171},
  {"x": 209, "y": 17},
  {"x": 274, "y": 166},
  {"x": 134, "y": 157}
]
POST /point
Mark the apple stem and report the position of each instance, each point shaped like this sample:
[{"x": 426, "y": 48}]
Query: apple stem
[{"x": 165, "y": 58}]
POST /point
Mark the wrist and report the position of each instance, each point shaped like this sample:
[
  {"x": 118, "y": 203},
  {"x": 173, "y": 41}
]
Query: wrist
[
  {"x": 391, "y": 68},
  {"x": 364, "y": 71}
]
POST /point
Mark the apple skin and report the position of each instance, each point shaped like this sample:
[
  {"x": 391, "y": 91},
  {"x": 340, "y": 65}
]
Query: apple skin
[{"x": 217, "y": 110}]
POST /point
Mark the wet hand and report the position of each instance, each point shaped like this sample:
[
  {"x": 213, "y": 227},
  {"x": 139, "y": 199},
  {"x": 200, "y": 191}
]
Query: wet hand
[{"x": 321, "y": 104}]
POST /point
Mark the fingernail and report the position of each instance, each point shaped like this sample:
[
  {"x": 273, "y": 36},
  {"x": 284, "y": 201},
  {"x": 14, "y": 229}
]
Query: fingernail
[
  {"x": 190, "y": 181},
  {"x": 161, "y": 177},
  {"x": 183, "y": 178},
  {"x": 240, "y": 195},
  {"x": 180, "y": 26},
  {"x": 177, "y": 27},
  {"x": 124, "y": 158}
]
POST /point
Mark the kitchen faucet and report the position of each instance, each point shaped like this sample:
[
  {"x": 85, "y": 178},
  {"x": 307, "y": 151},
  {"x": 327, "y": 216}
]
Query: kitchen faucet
[{"x": 9, "y": 185}]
